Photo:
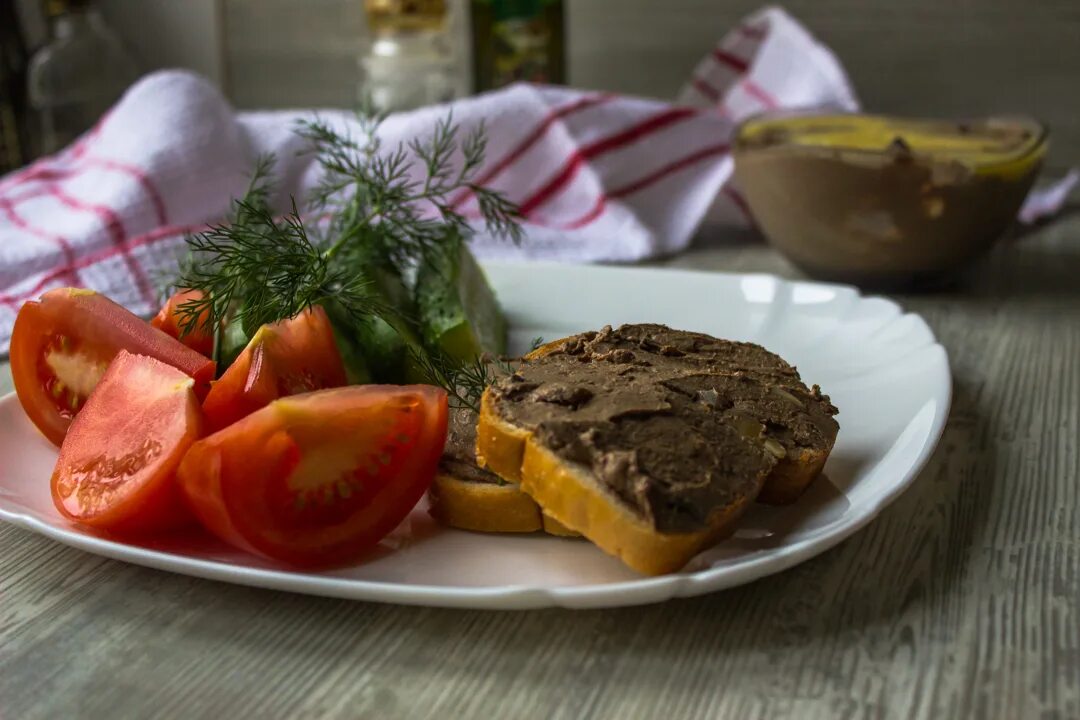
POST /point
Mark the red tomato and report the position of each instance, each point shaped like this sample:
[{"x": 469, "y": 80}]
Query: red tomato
[
  {"x": 200, "y": 339},
  {"x": 289, "y": 357},
  {"x": 318, "y": 479},
  {"x": 62, "y": 345},
  {"x": 117, "y": 466}
]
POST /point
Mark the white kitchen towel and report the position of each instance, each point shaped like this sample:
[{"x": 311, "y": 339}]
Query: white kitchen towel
[{"x": 598, "y": 177}]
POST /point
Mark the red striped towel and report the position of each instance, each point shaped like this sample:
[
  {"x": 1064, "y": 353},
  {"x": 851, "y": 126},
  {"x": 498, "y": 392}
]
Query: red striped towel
[{"x": 598, "y": 177}]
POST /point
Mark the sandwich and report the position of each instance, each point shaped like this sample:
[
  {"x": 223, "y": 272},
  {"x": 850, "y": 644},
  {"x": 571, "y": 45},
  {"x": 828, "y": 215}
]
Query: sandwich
[{"x": 651, "y": 442}]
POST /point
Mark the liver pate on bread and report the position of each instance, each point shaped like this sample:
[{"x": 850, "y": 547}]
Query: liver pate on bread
[
  {"x": 650, "y": 441},
  {"x": 469, "y": 497}
]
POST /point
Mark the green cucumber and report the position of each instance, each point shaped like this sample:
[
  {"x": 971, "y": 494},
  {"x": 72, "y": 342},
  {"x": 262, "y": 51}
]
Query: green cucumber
[
  {"x": 385, "y": 344},
  {"x": 352, "y": 354},
  {"x": 231, "y": 343},
  {"x": 457, "y": 308}
]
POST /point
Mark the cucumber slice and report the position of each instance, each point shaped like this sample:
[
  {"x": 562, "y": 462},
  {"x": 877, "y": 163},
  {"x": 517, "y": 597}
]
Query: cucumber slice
[
  {"x": 385, "y": 346},
  {"x": 232, "y": 342},
  {"x": 457, "y": 308},
  {"x": 352, "y": 354}
]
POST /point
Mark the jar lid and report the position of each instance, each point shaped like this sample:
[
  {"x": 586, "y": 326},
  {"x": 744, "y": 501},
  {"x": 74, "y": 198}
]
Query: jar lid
[
  {"x": 55, "y": 8},
  {"x": 394, "y": 15}
]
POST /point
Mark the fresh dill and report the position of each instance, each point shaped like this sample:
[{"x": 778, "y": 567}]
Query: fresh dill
[
  {"x": 381, "y": 212},
  {"x": 384, "y": 209},
  {"x": 264, "y": 270},
  {"x": 463, "y": 380}
]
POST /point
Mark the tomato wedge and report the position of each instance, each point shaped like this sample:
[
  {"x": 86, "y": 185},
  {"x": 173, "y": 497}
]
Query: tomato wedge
[
  {"x": 286, "y": 358},
  {"x": 62, "y": 345},
  {"x": 117, "y": 466},
  {"x": 318, "y": 479},
  {"x": 200, "y": 338}
]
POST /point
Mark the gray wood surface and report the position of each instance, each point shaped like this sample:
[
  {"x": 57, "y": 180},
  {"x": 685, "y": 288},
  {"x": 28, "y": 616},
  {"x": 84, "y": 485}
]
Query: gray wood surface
[{"x": 962, "y": 600}]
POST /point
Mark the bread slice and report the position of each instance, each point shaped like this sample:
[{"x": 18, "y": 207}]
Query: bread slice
[
  {"x": 489, "y": 507},
  {"x": 569, "y": 493},
  {"x": 803, "y": 457},
  {"x": 466, "y": 496},
  {"x": 652, "y": 442}
]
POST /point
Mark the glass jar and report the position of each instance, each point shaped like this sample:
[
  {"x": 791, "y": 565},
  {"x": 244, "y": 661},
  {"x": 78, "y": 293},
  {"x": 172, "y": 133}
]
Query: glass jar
[
  {"x": 78, "y": 74},
  {"x": 14, "y": 130},
  {"x": 409, "y": 60}
]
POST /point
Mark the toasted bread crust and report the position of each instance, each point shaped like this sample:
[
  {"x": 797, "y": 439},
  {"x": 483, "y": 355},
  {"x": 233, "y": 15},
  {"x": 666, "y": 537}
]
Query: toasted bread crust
[
  {"x": 546, "y": 349},
  {"x": 488, "y": 507},
  {"x": 791, "y": 477},
  {"x": 554, "y": 527},
  {"x": 483, "y": 507},
  {"x": 500, "y": 447},
  {"x": 574, "y": 499}
]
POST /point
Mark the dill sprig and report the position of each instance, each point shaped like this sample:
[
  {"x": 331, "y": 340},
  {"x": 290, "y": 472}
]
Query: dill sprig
[
  {"x": 463, "y": 380},
  {"x": 389, "y": 210},
  {"x": 259, "y": 268},
  {"x": 386, "y": 212}
]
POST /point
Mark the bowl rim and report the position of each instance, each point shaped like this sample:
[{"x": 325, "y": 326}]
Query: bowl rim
[{"x": 1031, "y": 151}]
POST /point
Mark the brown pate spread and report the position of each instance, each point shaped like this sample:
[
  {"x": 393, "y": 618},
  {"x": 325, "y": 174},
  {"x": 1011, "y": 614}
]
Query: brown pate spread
[
  {"x": 459, "y": 455},
  {"x": 677, "y": 424}
]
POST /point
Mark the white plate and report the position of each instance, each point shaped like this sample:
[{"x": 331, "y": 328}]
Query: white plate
[{"x": 882, "y": 368}]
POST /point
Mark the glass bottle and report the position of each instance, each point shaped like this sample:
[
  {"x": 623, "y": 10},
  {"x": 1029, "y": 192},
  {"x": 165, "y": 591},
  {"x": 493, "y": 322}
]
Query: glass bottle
[
  {"x": 14, "y": 140},
  {"x": 409, "y": 61},
  {"x": 517, "y": 40},
  {"x": 78, "y": 74}
]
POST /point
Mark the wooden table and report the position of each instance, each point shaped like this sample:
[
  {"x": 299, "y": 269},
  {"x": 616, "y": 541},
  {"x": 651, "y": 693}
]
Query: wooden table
[{"x": 961, "y": 600}]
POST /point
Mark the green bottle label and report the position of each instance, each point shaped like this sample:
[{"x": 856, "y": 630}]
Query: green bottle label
[
  {"x": 521, "y": 50},
  {"x": 516, "y": 9},
  {"x": 517, "y": 40}
]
